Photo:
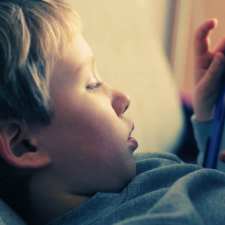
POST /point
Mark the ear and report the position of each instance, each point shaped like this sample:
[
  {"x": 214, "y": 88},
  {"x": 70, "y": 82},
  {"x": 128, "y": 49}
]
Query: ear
[{"x": 14, "y": 139}]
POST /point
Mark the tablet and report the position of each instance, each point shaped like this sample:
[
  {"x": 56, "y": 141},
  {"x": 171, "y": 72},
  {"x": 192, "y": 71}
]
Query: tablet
[{"x": 214, "y": 141}]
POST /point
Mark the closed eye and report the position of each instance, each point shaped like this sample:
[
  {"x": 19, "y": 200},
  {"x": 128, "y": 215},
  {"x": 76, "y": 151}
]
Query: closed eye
[{"x": 94, "y": 85}]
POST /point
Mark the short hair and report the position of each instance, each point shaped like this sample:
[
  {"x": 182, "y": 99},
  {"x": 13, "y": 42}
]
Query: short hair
[{"x": 32, "y": 34}]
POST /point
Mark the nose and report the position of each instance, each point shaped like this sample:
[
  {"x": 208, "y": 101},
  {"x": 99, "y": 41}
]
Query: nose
[{"x": 120, "y": 102}]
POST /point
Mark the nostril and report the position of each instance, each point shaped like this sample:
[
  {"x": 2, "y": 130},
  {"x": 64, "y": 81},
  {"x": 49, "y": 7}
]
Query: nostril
[{"x": 127, "y": 104}]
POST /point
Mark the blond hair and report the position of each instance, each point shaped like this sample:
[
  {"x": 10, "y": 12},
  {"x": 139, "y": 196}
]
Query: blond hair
[{"x": 32, "y": 34}]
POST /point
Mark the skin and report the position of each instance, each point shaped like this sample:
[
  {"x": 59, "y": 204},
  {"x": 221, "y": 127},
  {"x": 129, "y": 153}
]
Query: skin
[
  {"x": 85, "y": 149},
  {"x": 209, "y": 72}
]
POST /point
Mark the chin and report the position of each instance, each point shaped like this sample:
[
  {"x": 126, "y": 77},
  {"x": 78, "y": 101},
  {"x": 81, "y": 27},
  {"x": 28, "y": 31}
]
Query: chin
[
  {"x": 123, "y": 185},
  {"x": 126, "y": 180}
]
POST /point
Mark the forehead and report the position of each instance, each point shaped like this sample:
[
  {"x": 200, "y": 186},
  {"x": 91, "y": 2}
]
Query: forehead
[{"x": 75, "y": 53}]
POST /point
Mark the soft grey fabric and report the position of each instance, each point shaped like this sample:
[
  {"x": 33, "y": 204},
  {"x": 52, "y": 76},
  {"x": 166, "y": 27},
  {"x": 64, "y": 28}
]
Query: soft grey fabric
[
  {"x": 201, "y": 132},
  {"x": 165, "y": 191}
]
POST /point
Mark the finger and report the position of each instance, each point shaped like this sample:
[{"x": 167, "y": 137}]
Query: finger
[
  {"x": 201, "y": 41},
  {"x": 220, "y": 47},
  {"x": 213, "y": 80},
  {"x": 201, "y": 65}
]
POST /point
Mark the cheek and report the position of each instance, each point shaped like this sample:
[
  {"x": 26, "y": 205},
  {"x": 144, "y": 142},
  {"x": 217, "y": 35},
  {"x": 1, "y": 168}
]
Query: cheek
[
  {"x": 87, "y": 124},
  {"x": 90, "y": 115}
]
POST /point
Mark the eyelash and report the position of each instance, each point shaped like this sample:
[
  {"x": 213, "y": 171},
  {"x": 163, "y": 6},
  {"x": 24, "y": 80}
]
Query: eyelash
[{"x": 96, "y": 85}]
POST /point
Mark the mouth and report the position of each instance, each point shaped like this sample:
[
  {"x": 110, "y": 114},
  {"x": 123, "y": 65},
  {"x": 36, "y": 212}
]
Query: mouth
[{"x": 133, "y": 144}]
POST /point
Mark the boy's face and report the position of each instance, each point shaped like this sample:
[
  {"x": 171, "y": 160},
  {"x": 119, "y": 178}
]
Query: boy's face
[{"x": 88, "y": 138}]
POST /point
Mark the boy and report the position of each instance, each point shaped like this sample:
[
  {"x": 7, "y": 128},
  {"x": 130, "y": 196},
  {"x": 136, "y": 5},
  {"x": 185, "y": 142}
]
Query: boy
[{"x": 64, "y": 134}]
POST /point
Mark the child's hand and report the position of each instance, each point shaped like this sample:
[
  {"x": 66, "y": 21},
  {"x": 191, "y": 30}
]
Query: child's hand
[{"x": 208, "y": 72}]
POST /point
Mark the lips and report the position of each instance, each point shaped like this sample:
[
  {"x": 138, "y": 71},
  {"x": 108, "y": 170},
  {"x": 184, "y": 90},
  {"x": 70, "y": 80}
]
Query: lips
[{"x": 133, "y": 144}]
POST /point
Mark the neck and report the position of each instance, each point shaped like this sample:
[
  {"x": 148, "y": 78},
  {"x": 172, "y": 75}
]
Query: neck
[{"x": 49, "y": 199}]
